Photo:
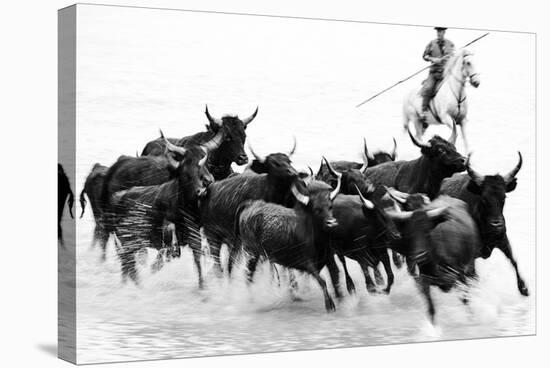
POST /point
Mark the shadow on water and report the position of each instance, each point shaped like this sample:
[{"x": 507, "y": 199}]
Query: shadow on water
[{"x": 50, "y": 349}]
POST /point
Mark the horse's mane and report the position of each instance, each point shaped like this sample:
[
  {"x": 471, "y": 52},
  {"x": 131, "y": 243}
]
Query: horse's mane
[{"x": 454, "y": 59}]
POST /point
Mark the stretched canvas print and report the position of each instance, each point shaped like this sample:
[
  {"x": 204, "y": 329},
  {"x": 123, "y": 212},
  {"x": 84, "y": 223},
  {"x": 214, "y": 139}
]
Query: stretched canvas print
[{"x": 238, "y": 183}]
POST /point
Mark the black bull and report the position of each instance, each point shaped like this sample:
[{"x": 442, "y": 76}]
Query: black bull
[
  {"x": 270, "y": 179},
  {"x": 287, "y": 236},
  {"x": 485, "y": 196},
  {"x": 229, "y": 132},
  {"x": 140, "y": 213}
]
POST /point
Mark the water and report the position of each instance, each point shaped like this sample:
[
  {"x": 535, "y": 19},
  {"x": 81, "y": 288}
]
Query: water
[{"x": 139, "y": 70}]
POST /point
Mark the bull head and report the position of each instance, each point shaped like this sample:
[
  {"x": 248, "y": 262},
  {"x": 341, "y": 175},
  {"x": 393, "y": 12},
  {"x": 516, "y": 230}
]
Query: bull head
[
  {"x": 262, "y": 159},
  {"x": 216, "y": 123},
  {"x": 509, "y": 179},
  {"x": 172, "y": 149},
  {"x": 420, "y": 144}
]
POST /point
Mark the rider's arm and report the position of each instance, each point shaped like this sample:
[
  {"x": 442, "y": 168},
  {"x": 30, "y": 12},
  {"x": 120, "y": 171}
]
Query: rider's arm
[{"x": 427, "y": 56}]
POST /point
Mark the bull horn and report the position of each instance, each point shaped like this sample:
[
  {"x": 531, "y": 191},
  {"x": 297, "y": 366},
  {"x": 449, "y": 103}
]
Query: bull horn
[
  {"x": 511, "y": 175},
  {"x": 336, "y": 174},
  {"x": 474, "y": 175},
  {"x": 368, "y": 204},
  {"x": 365, "y": 157},
  {"x": 249, "y": 119},
  {"x": 205, "y": 158},
  {"x": 293, "y": 147},
  {"x": 211, "y": 119},
  {"x": 260, "y": 159},
  {"x": 397, "y": 195},
  {"x": 161, "y": 134},
  {"x": 366, "y": 150},
  {"x": 303, "y": 199},
  {"x": 173, "y": 148},
  {"x": 215, "y": 142},
  {"x": 399, "y": 215},
  {"x": 333, "y": 172},
  {"x": 310, "y": 171},
  {"x": 452, "y": 138},
  {"x": 394, "y": 151},
  {"x": 320, "y": 169},
  {"x": 436, "y": 212},
  {"x": 363, "y": 169},
  {"x": 415, "y": 141},
  {"x": 173, "y": 162}
]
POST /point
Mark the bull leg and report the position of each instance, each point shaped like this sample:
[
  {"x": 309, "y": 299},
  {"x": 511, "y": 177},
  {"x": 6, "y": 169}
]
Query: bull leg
[
  {"x": 251, "y": 267},
  {"x": 128, "y": 266},
  {"x": 102, "y": 237},
  {"x": 233, "y": 253},
  {"x": 329, "y": 304},
  {"x": 293, "y": 285},
  {"x": 378, "y": 278},
  {"x": 371, "y": 287},
  {"x": 470, "y": 275},
  {"x": 349, "y": 282},
  {"x": 197, "y": 259},
  {"x": 397, "y": 259},
  {"x": 215, "y": 245},
  {"x": 385, "y": 258},
  {"x": 411, "y": 267},
  {"x": 425, "y": 289},
  {"x": 334, "y": 275},
  {"x": 506, "y": 248},
  {"x": 159, "y": 261}
]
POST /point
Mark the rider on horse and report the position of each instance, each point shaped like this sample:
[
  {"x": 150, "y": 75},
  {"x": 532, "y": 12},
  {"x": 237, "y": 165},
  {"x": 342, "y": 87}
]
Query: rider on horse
[{"x": 437, "y": 52}]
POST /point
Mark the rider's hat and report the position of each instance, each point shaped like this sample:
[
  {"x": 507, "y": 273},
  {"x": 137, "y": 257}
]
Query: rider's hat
[{"x": 440, "y": 28}]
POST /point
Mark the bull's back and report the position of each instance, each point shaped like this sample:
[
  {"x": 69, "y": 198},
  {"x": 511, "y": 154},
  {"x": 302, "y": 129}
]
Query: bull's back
[
  {"x": 385, "y": 173},
  {"x": 224, "y": 197},
  {"x": 457, "y": 187}
]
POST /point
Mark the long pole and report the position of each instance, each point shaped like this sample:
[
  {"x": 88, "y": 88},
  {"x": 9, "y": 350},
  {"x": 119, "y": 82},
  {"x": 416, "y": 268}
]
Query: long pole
[{"x": 412, "y": 75}]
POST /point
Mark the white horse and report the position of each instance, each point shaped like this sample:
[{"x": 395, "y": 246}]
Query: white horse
[{"x": 450, "y": 103}]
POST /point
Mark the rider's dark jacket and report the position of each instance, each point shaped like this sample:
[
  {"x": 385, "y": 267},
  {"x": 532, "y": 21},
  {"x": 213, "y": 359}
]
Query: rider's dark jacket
[{"x": 438, "y": 49}]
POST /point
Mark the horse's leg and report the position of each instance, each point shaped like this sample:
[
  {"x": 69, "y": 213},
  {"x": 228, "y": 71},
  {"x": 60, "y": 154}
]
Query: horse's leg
[
  {"x": 463, "y": 124},
  {"x": 506, "y": 248}
]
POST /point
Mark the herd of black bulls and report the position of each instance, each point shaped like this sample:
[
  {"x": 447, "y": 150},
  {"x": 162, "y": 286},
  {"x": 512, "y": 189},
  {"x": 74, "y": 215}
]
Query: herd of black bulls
[{"x": 431, "y": 216}]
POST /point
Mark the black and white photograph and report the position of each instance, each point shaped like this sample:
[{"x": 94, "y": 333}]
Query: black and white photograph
[{"x": 233, "y": 183}]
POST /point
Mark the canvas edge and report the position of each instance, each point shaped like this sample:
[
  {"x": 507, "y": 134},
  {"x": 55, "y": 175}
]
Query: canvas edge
[{"x": 66, "y": 135}]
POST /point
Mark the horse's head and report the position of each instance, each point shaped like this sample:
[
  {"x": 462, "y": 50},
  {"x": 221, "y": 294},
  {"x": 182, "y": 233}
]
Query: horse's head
[{"x": 469, "y": 68}]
